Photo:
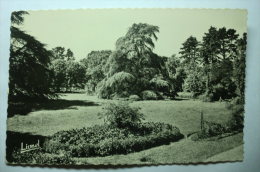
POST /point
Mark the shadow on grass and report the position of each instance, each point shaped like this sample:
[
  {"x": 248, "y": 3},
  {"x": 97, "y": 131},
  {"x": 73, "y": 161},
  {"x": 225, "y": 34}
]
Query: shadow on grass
[
  {"x": 14, "y": 140},
  {"x": 23, "y": 108}
]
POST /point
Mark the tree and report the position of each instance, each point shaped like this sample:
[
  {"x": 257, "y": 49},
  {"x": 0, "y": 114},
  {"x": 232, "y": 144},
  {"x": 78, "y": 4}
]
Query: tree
[
  {"x": 120, "y": 84},
  {"x": 75, "y": 75},
  {"x": 95, "y": 64},
  {"x": 227, "y": 43},
  {"x": 137, "y": 46},
  {"x": 67, "y": 75},
  {"x": 240, "y": 66},
  {"x": 209, "y": 49},
  {"x": 190, "y": 55},
  {"x": 30, "y": 76},
  {"x": 190, "y": 52},
  {"x": 218, "y": 52},
  {"x": 62, "y": 53},
  {"x": 175, "y": 74},
  {"x": 59, "y": 68},
  {"x": 58, "y": 53},
  {"x": 134, "y": 57},
  {"x": 69, "y": 55}
]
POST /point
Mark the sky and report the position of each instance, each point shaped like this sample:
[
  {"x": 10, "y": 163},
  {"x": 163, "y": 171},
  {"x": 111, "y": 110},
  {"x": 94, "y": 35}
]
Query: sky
[{"x": 98, "y": 29}]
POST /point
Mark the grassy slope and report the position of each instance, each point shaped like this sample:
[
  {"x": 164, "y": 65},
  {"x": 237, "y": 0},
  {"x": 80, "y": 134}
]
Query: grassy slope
[{"x": 184, "y": 114}]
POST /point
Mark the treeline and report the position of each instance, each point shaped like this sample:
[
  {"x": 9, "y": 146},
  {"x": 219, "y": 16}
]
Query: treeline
[{"x": 213, "y": 68}]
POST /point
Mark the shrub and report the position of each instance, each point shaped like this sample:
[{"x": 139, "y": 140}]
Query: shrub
[
  {"x": 134, "y": 98},
  {"x": 39, "y": 157},
  {"x": 236, "y": 122},
  {"x": 207, "y": 97},
  {"x": 214, "y": 129},
  {"x": 106, "y": 140},
  {"x": 121, "y": 115},
  {"x": 185, "y": 95},
  {"x": 149, "y": 95},
  {"x": 236, "y": 108}
]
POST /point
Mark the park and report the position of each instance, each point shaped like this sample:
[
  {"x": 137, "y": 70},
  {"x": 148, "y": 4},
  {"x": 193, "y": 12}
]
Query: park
[{"x": 128, "y": 105}]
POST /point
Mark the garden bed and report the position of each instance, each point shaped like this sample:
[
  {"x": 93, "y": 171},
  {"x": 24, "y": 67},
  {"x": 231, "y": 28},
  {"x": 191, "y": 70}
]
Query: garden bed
[{"x": 103, "y": 140}]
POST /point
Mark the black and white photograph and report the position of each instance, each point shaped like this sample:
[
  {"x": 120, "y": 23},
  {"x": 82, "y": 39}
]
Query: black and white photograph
[{"x": 126, "y": 86}]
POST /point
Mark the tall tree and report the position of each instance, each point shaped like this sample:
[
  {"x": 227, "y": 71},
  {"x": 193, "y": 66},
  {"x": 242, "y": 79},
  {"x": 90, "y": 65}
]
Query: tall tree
[
  {"x": 190, "y": 52},
  {"x": 190, "y": 56},
  {"x": 240, "y": 66},
  {"x": 208, "y": 51},
  {"x": 30, "y": 76},
  {"x": 134, "y": 57}
]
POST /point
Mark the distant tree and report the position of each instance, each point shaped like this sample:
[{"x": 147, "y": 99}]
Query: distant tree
[
  {"x": 227, "y": 43},
  {"x": 58, "y": 53},
  {"x": 176, "y": 74},
  {"x": 68, "y": 75},
  {"x": 75, "y": 75},
  {"x": 190, "y": 53},
  {"x": 30, "y": 76},
  {"x": 59, "y": 68},
  {"x": 95, "y": 64},
  {"x": 69, "y": 55},
  {"x": 62, "y": 53}
]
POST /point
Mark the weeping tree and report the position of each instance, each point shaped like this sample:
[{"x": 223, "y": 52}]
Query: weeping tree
[
  {"x": 133, "y": 60},
  {"x": 29, "y": 74}
]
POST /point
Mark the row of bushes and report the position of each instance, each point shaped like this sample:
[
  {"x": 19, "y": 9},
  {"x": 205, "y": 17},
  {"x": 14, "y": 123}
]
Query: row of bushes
[
  {"x": 106, "y": 140},
  {"x": 147, "y": 95}
]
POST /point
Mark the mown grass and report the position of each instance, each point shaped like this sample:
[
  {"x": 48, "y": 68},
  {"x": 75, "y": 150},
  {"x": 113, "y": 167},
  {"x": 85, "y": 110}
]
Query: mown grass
[{"x": 185, "y": 114}]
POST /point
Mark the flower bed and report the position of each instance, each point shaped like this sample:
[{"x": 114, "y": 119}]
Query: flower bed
[{"x": 103, "y": 140}]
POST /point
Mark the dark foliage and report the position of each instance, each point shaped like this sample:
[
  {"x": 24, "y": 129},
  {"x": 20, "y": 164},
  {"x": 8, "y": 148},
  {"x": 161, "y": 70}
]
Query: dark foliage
[
  {"x": 107, "y": 140},
  {"x": 39, "y": 157},
  {"x": 29, "y": 75},
  {"x": 121, "y": 115}
]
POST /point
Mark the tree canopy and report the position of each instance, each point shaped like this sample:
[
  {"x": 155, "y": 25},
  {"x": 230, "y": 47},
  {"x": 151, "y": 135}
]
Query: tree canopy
[{"x": 29, "y": 75}]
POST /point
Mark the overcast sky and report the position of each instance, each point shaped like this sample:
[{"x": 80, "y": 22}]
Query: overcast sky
[{"x": 85, "y": 30}]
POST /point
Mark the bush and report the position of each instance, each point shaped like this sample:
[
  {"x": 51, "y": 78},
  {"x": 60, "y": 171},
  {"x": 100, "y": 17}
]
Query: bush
[
  {"x": 214, "y": 129},
  {"x": 103, "y": 140},
  {"x": 185, "y": 95},
  {"x": 121, "y": 115},
  {"x": 149, "y": 95},
  {"x": 39, "y": 157},
  {"x": 134, "y": 98},
  {"x": 236, "y": 107},
  {"x": 211, "y": 129},
  {"x": 207, "y": 97}
]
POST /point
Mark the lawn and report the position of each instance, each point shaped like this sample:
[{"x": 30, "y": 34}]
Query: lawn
[{"x": 81, "y": 110}]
